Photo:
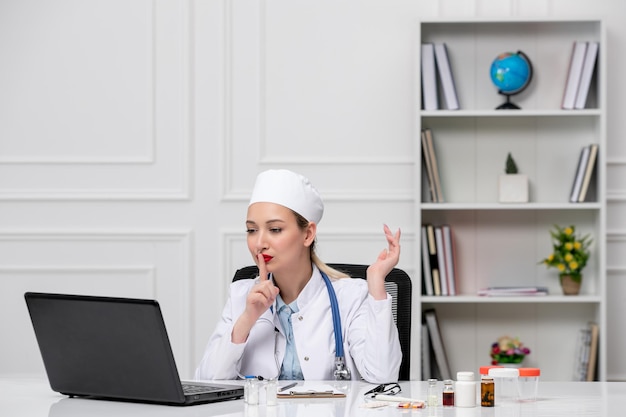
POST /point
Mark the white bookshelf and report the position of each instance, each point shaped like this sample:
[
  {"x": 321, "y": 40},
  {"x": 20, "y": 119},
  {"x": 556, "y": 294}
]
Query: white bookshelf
[{"x": 502, "y": 244}]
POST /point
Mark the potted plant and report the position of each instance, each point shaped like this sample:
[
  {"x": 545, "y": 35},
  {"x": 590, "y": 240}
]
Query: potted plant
[
  {"x": 513, "y": 186},
  {"x": 569, "y": 255},
  {"x": 508, "y": 351}
]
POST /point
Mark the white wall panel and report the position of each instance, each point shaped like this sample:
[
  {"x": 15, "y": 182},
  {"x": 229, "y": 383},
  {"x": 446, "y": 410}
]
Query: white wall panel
[
  {"x": 146, "y": 264},
  {"x": 94, "y": 100}
]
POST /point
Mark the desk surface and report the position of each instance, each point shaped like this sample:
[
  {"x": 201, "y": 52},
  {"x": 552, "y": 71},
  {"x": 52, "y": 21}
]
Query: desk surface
[{"x": 31, "y": 397}]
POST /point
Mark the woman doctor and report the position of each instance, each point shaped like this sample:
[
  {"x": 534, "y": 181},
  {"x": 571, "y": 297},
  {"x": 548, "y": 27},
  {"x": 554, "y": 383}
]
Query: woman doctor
[{"x": 281, "y": 324}]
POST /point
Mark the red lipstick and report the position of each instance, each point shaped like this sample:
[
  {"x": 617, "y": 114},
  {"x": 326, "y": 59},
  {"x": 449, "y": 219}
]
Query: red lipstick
[{"x": 267, "y": 258}]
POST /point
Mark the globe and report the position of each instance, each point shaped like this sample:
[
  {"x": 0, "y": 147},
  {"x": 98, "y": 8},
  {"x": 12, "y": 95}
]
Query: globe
[{"x": 511, "y": 73}]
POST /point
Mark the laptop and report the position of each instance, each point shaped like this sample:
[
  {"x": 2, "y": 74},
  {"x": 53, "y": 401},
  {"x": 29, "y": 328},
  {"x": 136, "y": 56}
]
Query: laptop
[{"x": 113, "y": 348}]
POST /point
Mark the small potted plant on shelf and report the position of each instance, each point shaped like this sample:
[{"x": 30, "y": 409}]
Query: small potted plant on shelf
[
  {"x": 513, "y": 186},
  {"x": 569, "y": 255},
  {"x": 508, "y": 351}
]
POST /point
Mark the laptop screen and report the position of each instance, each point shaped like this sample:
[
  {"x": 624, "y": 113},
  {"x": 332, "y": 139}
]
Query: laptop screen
[{"x": 106, "y": 347}]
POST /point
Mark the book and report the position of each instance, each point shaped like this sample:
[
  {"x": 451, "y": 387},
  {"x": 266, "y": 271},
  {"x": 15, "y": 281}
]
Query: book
[
  {"x": 580, "y": 174},
  {"x": 589, "y": 65},
  {"x": 445, "y": 76},
  {"x": 430, "y": 100},
  {"x": 439, "y": 350},
  {"x": 449, "y": 257},
  {"x": 593, "y": 351},
  {"x": 591, "y": 163},
  {"x": 426, "y": 154},
  {"x": 441, "y": 261},
  {"x": 434, "y": 262},
  {"x": 427, "y": 276},
  {"x": 582, "y": 349},
  {"x": 513, "y": 291},
  {"x": 435, "y": 166},
  {"x": 574, "y": 74},
  {"x": 426, "y": 353}
]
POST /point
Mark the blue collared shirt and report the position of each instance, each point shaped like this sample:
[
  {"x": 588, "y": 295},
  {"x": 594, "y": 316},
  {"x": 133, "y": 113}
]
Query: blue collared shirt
[{"x": 290, "y": 368}]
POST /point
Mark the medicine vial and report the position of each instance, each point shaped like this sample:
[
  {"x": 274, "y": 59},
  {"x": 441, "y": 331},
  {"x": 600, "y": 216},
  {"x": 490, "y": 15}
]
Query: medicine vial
[
  {"x": 270, "y": 392},
  {"x": 487, "y": 391},
  {"x": 251, "y": 390},
  {"x": 447, "y": 397},
  {"x": 466, "y": 389},
  {"x": 432, "y": 397}
]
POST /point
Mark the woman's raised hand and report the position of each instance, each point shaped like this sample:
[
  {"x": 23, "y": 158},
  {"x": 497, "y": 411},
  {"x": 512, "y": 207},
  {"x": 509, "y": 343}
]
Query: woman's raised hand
[{"x": 387, "y": 259}]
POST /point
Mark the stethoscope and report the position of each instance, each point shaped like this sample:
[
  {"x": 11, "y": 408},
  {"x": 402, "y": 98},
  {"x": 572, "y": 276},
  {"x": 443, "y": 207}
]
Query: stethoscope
[{"x": 341, "y": 371}]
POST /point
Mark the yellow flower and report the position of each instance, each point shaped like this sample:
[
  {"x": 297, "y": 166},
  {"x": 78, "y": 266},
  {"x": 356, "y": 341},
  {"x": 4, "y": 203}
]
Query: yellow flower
[
  {"x": 568, "y": 257},
  {"x": 561, "y": 267},
  {"x": 551, "y": 257},
  {"x": 568, "y": 231},
  {"x": 573, "y": 265},
  {"x": 577, "y": 245},
  {"x": 568, "y": 246}
]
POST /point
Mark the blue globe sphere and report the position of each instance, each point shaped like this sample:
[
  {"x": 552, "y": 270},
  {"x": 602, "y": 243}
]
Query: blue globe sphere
[{"x": 511, "y": 72}]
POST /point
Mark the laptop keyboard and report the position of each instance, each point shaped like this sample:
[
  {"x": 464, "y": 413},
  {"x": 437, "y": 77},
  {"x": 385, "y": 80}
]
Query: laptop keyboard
[{"x": 197, "y": 389}]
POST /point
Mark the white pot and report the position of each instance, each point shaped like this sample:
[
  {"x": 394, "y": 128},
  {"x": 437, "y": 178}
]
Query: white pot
[{"x": 513, "y": 188}]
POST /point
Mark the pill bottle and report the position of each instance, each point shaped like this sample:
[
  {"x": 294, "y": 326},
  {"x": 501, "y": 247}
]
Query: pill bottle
[
  {"x": 505, "y": 380},
  {"x": 528, "y": 383},
  {"x": 487, "y": 391},
  {"x": 466, "y": 389},
  {"x": 432, "y": 396},
  {"x": 447, "y": 396}
]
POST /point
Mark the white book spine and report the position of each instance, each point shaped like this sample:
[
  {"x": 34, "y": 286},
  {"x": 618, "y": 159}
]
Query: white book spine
[
  {"x": 580, "y": 174},
  {"x": 449, "y": 255},
  {"x": 445, "y": 74},
  {"x": 575, "y": 72},
  {"x": 429, "y": 77},
  {"x": 587, "y": 74}
]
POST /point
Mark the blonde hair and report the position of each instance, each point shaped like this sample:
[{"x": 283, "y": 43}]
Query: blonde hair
[{"x": 331, "y": 272}]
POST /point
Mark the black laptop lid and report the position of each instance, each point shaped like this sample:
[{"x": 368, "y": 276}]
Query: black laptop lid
[{"x": 105, "y": 347}]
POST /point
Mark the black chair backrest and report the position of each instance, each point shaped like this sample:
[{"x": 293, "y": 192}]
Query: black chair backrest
[{"x": 397, "y": 284}]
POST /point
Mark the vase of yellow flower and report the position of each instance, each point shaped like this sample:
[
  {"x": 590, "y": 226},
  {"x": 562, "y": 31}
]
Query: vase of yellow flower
[{"x": 569, "y": 255}]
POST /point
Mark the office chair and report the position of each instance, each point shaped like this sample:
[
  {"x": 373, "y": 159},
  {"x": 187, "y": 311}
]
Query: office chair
[{"x": 397, "y": 284}]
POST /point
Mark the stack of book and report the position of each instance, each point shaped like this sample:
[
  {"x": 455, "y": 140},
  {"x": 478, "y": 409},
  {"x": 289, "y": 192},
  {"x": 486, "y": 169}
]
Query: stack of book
[
  {"x": 581, "y": 70},
  {"x": 435, "y": 61},
  {"x": 438, "y": 264},
  {"x": 431, "y": 167},
  {"x": 584, "y": 173}
]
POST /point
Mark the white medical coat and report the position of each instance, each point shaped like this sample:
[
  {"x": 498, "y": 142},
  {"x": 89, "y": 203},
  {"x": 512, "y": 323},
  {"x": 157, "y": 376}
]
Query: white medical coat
[{"x": 370, "y": 336}]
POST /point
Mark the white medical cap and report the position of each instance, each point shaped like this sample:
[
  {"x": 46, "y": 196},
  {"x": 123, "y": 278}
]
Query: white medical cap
[{"x": 294, "y": 191}]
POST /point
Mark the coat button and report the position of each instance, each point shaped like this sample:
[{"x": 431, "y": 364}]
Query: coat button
[
  {"x": 306, "y": 358},
  {"x": 300, "y": 318}
]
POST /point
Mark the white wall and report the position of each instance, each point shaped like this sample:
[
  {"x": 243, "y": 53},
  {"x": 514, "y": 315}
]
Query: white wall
[{"x": 131, "y": 132}]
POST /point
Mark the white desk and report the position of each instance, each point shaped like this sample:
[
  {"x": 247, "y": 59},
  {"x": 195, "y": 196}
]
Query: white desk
[{"x": 28, "y": 397}]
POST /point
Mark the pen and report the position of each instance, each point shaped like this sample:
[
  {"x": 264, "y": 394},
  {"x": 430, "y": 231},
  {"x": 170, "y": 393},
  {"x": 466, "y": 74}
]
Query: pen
[
  {"x": 286, "y": 387},
  {"x": 395, "y": 398}
]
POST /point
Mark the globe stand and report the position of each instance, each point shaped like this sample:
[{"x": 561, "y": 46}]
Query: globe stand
[
  {"x": 512, "y": 67},
  {"x": 507, "y": 105}
]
